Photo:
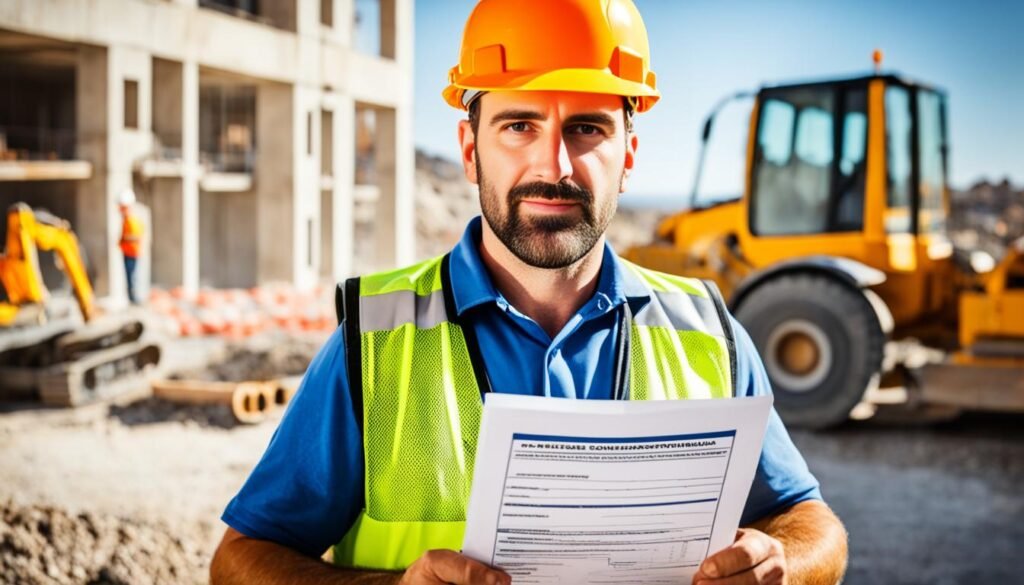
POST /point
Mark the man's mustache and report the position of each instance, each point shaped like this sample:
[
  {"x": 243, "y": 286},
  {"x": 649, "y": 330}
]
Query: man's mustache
[{"x": 561, "y": 191}]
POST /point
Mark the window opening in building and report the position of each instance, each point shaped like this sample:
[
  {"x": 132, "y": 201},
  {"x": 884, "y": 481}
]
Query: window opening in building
[
  {"x": 131, "y": 103},
  {"x": 327, "y": 12}
]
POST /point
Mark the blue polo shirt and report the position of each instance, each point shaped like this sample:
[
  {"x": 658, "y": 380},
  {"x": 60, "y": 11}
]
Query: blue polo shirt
[{"x": 307, "y": 490}]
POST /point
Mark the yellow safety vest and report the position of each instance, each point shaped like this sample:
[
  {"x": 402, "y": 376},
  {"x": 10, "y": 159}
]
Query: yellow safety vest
[{"x": 416, "y": 375}]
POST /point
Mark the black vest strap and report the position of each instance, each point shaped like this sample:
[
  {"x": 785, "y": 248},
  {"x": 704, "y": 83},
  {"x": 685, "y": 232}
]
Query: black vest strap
[
  {"x": 730, "y": 336},
  {"x": 623, "y": 354},
  {"x": 476, "y": 358},
  {"x": 349, "y": 305}
]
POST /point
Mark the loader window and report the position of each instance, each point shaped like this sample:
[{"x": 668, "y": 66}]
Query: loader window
[
  {"x": 809, "y": 163},
  {"x": 776, "y": 140},
  {"x": 793, "y": 162},
  {"x": 931, "y": 161},
  {"x": 898, "y": 141},
  {"x": 814, "y": 137},
  {"x": 850, "y": 175}
]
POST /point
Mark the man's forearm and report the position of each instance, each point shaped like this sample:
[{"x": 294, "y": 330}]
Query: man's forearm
[
  {"x": 246, "y": 561},
  {"x": 814, "y": 541}
]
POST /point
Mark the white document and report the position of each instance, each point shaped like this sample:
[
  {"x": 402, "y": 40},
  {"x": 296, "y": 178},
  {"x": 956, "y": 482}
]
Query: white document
[{"x": 582, "y": 491}]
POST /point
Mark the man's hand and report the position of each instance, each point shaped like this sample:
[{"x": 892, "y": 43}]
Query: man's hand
[
  {"x": 754, "y": 558},
  {"x": 437, "y": 567}
]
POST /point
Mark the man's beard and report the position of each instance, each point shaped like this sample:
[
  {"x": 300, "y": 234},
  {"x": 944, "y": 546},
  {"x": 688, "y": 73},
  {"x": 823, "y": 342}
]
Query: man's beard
[{"x": 547, "y": 241}]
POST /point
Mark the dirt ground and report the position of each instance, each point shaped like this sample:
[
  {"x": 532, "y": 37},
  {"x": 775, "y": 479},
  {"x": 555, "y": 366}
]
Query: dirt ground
[
  {"x": 939, "y": 504},
  {"x": 133, "y": 494}
]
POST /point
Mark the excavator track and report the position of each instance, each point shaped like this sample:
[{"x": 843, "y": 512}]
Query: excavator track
[
  {"x": 98, "y": 375},
  {"x": 74, "y": 366},
  {"x": 94, "y": 336}
]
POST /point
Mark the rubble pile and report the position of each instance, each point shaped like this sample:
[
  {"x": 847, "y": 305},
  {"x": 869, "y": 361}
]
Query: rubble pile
[
  {"x": 238, "y": 313},
  {"x": 42, "y": 544},
  {"x": 156, "y": 410},
  {"x": 289, "y": 357}
]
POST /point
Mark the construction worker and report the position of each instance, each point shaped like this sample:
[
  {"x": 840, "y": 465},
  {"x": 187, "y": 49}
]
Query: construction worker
[
  {"x": 131, "y": 240},
  {"x": 371, "y": 457}
]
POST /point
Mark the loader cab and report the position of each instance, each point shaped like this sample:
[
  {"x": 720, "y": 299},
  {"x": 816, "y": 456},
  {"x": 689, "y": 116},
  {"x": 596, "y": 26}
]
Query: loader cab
[{"x": 853, "y": 168}]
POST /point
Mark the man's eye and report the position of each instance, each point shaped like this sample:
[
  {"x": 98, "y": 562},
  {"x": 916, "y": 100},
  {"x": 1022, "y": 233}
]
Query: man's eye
[
  {"x": 519, "y": 127},
  {"x": 586, "y": 129}
]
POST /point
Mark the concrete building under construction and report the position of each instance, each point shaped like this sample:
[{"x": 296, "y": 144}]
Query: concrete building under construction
[{"x": 249, "y": 128}]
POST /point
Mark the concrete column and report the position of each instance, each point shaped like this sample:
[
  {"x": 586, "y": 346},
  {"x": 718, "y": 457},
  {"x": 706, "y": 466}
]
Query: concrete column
[
  {"x": 165, "y": 202},
  {"x": 306, "y": 122},
  {"x": 190, "y": 176},
  {"x": 344, "y": 20},
  {"x": 386, "y": 231},
  {"x": 92, "y": 222},
  {"x": 275, "y": 181},
  {"x": 307, "y": 17},
  {"x": 305, "y": 195},
  {"x": 113, "y": 149},
  {"x": 326, "y": 210},
  {"x": 165, "y": 193},
  {"x": 405, "y": 186}
]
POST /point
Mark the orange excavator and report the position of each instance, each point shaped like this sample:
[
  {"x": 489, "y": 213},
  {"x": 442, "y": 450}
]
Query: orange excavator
[{"x": 62, "y": 359}]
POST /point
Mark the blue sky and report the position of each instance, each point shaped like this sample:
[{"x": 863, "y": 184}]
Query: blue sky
[{"x": 703, "y": 50}]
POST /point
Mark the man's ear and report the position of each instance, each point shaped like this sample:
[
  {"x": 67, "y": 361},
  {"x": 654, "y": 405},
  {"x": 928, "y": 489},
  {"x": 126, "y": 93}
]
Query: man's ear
[
  {"x": 631, "y": 145},
  {"x": 467, "y": 147}
]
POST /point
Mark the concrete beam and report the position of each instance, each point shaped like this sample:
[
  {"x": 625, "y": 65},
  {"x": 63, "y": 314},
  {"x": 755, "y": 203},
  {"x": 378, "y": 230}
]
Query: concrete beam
[
  {"x": 44, "y": 170},
  {"x": 178, "y": 32}
]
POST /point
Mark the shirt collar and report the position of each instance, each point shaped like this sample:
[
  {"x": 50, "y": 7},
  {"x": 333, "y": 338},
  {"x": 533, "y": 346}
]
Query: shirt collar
[{"x": 472, "y": 285}]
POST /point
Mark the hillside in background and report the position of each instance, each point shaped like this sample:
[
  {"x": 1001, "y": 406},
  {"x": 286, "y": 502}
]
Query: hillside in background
[{"x": 987, "y": 216}]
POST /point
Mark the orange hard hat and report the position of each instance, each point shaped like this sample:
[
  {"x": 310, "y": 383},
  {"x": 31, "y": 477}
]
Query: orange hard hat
[{"x": 593, "y": 46}]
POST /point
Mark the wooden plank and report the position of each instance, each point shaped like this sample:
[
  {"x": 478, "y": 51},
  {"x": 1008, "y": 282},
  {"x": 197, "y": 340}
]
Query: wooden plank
[{"x": 194, "y": 391}]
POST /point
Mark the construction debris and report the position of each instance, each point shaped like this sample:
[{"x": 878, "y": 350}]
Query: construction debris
[
  {"x": 43, "y": 544},
  {"x": 239, "y": 313},
  {"x": 266, "y": 361}
]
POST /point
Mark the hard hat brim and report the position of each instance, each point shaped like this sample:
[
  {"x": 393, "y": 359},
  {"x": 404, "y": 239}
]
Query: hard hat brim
[{"x": 577, "y": 80}]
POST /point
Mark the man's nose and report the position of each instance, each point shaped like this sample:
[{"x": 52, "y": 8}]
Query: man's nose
[{"x": 552, "y": 163}]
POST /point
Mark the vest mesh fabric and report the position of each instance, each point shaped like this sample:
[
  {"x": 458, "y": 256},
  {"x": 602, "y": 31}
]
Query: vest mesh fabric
[
  {"x": 658, "y": 374},
  {"x": 420, "y": 439}
]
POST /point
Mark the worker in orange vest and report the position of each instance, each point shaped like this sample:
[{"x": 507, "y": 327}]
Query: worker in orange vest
[{"x": 131, "y": 240}]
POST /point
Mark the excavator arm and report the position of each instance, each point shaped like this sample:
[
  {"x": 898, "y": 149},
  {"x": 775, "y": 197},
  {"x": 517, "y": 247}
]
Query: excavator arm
[
  {"x": 28, "y": 232},
  {"x": 62, "y": 362}
]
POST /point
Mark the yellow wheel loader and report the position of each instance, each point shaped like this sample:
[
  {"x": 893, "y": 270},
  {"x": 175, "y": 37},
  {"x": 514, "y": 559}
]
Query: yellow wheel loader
[
  {"x": 61, "y": 359},
  {"x": 838, "y": 244}
]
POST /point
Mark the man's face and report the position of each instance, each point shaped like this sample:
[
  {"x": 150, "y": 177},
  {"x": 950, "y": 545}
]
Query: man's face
[{"x": 550, "y": 167}]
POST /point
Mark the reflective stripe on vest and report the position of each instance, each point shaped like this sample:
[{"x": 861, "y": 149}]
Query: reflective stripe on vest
[{"x": 421, "y": 405}]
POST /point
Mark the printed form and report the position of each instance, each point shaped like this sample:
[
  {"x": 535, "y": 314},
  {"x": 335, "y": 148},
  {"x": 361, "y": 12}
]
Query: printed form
[{"x": 571, "y": 491}]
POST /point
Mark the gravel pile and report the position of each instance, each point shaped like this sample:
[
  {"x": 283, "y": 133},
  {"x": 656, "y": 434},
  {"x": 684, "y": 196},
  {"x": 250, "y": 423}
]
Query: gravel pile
[
  {"x": 41, "y": 544},
  {"x": 155, "y": 410},
  {"x": 249, "y": 362}
]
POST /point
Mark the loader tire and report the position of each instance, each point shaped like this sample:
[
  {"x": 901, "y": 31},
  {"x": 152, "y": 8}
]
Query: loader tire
[{"x": 821, "y": 343}]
